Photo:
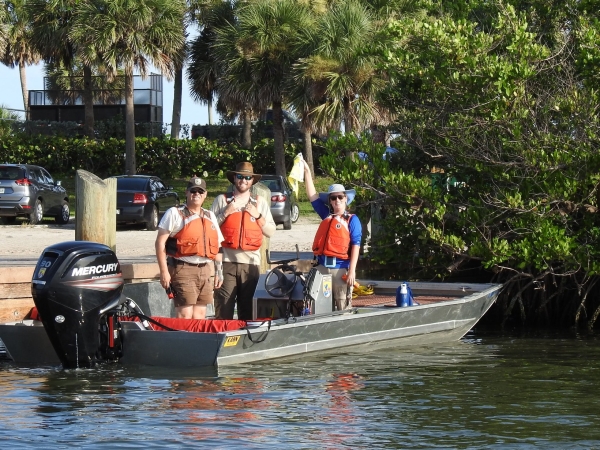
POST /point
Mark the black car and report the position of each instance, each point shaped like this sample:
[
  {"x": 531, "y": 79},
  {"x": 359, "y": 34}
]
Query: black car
[
  {"x": 284, "y": 204},
  {"x": 30, "y": 191},
  {"x": 143, "y": 199}
]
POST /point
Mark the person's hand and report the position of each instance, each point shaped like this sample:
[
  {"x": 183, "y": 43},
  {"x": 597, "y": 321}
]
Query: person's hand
[
  {"x": 232, "y": 207},
  {"x": 218, "y": 274},
  {"x": 252, "y": 209},
  {"x": 165, "y": 279},
  {"x": 350, "y": 279}
]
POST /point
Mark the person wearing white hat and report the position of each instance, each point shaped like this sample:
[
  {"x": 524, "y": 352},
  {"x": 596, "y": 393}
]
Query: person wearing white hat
[{"x": 337, "y": 242}]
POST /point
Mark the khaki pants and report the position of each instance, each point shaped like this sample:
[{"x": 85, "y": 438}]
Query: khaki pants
[
  {"x": 239, "y": 284},
  {"x": 342, "y": 297}
]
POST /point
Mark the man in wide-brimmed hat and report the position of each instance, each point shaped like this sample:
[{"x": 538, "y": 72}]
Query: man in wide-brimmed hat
[
  {"x": 244, "y": 219},
  {"x": 337, "y": 242},
  {"x": 187, "y": 251},
  {"x": 244, "y": 169}
]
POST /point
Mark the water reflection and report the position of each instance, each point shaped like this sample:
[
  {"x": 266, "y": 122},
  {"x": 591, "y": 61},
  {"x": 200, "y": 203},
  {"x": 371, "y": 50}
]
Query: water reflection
[{"x": 486, "y": 391}]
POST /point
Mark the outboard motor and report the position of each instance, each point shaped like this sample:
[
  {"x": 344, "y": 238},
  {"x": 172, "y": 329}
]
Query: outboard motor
[{"x": 74, "y": 284}]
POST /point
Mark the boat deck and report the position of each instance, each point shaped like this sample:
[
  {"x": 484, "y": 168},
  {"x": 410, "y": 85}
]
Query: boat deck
[{"x": 390, "y": 300}]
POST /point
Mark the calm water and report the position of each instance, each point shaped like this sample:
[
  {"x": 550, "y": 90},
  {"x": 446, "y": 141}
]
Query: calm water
[{"x": 486, "y": 391}]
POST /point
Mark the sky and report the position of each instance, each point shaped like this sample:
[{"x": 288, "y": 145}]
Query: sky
[{"x": 192, "y": 113}]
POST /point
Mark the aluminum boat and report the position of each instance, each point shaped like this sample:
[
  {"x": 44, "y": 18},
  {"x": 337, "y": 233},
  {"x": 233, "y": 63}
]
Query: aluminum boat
[{"x": 85, "y": 320}]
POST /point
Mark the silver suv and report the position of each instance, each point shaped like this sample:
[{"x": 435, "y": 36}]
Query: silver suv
[
  {"x": 284, "y": 204},
  {"x": 30, "y": 191}
]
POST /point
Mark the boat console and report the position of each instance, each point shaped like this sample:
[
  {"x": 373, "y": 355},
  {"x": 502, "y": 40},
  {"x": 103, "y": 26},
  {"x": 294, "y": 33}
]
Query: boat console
[{"x": 284, "y": 292}]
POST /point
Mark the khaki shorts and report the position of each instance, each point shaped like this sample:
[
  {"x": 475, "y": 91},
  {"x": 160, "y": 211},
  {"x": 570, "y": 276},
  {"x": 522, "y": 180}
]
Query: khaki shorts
[{"x": 193, "y": 285}]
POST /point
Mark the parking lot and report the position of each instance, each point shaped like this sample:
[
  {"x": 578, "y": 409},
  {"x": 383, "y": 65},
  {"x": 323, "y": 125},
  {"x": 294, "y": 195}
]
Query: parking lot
[{"x": 22, "y": 244}]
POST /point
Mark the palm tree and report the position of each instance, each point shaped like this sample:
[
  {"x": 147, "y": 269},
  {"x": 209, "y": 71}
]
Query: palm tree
[
  {"x": 61, "y": 80},
  {"x": 133, "y": 34},
  {"x": 178, "y": 61},
  {"x": 4, "y": 23},
  {"x": 304, "y": 96},
  {"x": 52, "y": 22},
  {"x": 203, "y": 71},
  {"x": 17, "y": 49},
  {"x": 341, "y": 69},
  {"x": 257, "y": 54}
]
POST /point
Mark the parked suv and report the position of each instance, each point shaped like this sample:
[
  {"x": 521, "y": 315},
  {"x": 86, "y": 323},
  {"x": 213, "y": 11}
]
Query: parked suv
[
  {"x": 284, "y": 205},
  {"x": 30, "y": 191}
]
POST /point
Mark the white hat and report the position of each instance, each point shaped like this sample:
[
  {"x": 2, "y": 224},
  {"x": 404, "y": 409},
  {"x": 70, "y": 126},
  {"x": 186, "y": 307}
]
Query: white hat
[{"x": 350, "y": 193}]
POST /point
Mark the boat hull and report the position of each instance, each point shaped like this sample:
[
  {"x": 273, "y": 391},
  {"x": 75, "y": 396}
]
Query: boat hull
[
  {"x": 425, "y": 324},
  {"x": 418, "y": 325}
]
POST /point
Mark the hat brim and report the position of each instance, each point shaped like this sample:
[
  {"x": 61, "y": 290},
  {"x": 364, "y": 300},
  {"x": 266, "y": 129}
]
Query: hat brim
[
  {"x": 231, "y": 176},
  {"x": 350, "y": 194}
]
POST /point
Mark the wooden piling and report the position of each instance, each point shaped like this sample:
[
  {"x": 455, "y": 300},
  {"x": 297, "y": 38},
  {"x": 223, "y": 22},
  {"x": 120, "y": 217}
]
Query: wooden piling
[{"x": 96, "y": 209}]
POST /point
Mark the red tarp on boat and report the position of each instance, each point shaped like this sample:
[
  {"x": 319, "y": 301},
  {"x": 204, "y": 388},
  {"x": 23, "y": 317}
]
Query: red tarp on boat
[{"x": 198, "y": 325}]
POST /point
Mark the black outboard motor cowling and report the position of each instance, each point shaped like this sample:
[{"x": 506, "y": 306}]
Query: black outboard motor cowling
[{"x": 74, "y": 283}]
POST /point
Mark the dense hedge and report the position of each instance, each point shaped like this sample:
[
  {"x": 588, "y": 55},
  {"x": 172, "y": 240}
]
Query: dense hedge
[{"x": 165, "y": 157}]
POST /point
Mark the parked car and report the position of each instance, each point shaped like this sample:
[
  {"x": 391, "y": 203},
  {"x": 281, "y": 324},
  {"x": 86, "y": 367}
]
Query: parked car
[
  {"x": 30, "y": 191},
  {"x": 284, "y": 204},
  {"x": 143, "y": 199}
]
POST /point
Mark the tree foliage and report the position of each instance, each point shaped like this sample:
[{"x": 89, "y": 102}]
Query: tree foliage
[
  {"x": 130, "y": 34},
  {"x": 498, "y": 164}
]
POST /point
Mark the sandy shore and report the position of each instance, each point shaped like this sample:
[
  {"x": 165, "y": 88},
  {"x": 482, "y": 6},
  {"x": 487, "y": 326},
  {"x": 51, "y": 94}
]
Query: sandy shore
[{"x": 24, "y": 242}]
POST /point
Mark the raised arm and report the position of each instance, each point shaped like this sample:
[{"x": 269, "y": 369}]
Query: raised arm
[{"x": 311, "y": 192}]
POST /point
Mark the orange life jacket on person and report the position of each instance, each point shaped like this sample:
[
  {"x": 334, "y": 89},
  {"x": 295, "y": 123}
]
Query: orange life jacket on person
[
  {"x": 333, "y": 237},
  {"x": 198, "y": 237},
  {"x": 241, "y": 231}
]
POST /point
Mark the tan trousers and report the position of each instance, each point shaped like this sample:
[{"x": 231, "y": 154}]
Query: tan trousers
[
  {"x": 342, "y": 293},
  {"x": 239, "y": 284}
]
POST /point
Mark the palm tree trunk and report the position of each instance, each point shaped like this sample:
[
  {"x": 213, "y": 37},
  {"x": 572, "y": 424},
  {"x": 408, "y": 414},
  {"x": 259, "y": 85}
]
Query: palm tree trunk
[
  {"x": 130, "y": 168},
  {"x": 210, "y": 111},
  {"x": 308, "y": 155},
  {"x": 23, "y": 76},
  {"x": 177, "y": 91},
  {"x": 88, "y": 102},
  {"x": 247, "y": 129},
  {"x": 278, "y": 138},
  {"x": 348, "y": 122}
]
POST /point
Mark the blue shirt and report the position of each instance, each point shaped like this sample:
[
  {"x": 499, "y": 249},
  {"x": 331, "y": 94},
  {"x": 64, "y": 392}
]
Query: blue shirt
[{"x": 354, "y": 226}]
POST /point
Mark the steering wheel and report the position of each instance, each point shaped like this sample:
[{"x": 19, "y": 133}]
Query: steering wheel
[{"x": 277, "y": 283}]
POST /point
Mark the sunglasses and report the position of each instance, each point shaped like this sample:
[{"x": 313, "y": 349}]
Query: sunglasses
[
  {"x": 196, "y": 191},
  {"x": 243, "y": 177},
  {"x": 337, "y": 197}
]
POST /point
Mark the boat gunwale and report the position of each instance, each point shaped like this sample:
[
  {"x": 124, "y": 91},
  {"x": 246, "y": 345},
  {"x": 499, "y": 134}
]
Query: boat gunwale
[{"x": 357, "y": 313}]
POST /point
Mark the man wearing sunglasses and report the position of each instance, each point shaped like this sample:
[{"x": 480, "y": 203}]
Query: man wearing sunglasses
[
  {"x": 337, "y": 241},
  {"x": 244, "y": 219},
  {"x": 187, "y": 250}
]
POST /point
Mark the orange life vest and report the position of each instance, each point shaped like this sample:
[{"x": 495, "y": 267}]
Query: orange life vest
[
  {"x": 198, "y": 237},
  {"x": 241, "y": 231},
  {"x": 333, "y": 237}
]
